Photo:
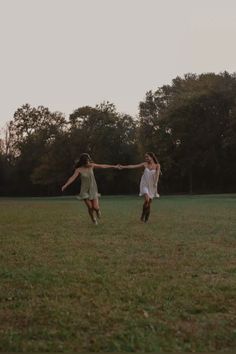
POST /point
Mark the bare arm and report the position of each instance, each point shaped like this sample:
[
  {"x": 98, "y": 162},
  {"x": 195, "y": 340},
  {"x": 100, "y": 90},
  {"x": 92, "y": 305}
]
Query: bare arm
[
  {"x": 96, "y": 165},
  {"x": 133, "y": 166},
  {"x": 71, "y": 179},
  {"x": 157, "y": 175}
]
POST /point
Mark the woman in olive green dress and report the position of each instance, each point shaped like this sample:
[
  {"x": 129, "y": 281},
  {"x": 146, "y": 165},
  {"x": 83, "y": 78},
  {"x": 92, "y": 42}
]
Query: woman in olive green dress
[{"x": 88, "y": 191}]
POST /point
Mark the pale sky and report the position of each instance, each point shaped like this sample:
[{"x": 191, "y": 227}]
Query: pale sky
[{"x": 64, "y": 54}]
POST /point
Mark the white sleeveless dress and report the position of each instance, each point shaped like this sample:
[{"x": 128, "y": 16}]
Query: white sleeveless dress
[{"x": 147, "y": 184}]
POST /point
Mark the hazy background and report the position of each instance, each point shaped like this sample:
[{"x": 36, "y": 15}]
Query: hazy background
[{"x": 67, "y": 53}]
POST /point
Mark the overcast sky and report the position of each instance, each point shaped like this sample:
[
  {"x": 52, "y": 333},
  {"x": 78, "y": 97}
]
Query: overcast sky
[{"x": 64, "y": 54}]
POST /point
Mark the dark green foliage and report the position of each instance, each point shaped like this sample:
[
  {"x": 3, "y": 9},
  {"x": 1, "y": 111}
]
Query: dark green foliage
[{"x": 190, "y": 125}]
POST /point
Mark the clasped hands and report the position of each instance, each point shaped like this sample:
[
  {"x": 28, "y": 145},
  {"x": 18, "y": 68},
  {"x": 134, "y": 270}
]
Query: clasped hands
[{"x": 119, "y": 167}]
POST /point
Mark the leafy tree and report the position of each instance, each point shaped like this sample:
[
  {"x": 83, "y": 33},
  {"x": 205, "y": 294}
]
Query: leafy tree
[
  {"x": 187, "y": 123},
  {"x": 108, "y": 136},
  {"x": 30, "y": 131}
]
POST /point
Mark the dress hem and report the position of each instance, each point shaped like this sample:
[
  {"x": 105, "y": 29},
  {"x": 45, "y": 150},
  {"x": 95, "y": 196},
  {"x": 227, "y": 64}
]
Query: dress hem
[
  {"x": 157, "y": 195},
  {"x": 88, "y": 197}
]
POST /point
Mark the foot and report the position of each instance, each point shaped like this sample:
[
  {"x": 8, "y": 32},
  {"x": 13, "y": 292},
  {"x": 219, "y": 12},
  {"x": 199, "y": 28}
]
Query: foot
[
  {"x": 98, "y": 214},
  {"x": 95, "y": 221}
]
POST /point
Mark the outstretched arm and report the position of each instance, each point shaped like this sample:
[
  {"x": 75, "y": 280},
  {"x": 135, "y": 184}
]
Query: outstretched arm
[
  {"x": 71, "y": 179},
  {"x": 132, "y": 166},
  {"x": 96, "y": 165}
]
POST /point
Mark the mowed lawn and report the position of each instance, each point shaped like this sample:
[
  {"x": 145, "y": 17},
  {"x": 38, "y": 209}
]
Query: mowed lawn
[{"x": 68, "y": 285}]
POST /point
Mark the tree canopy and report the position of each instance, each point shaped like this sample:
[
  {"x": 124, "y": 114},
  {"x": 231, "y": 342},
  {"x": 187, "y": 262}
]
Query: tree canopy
[{"x": 190, "y": 125}]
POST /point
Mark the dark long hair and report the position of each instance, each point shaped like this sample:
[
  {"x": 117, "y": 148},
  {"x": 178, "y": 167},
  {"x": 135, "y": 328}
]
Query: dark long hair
[
  {"x": 84, "y": 159},
  {"x": 153, "y": 156}
]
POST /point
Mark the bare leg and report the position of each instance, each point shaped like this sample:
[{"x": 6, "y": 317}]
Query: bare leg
[
  {"x": 145, "y": 207},
  {"x": 90, "y": 210},
  {"x": 95, "y": 204}
]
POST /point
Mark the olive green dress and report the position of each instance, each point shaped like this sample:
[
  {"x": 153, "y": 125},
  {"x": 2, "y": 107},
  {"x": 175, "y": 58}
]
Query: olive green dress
[{"x": 88, "y": 188}]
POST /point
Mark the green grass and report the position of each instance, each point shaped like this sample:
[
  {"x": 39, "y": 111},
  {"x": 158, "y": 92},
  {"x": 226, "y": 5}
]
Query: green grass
[{"x": 68, "y": 285}]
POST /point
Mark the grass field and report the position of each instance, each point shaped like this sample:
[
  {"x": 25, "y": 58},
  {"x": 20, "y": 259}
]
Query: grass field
[{"x": 68, "y": 285}]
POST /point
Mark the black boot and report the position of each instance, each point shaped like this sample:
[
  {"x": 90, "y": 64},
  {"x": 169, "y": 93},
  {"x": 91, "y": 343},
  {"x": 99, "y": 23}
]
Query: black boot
[
  {"x": 143, "y": 216},
  {"x": 147, "y": 214}
]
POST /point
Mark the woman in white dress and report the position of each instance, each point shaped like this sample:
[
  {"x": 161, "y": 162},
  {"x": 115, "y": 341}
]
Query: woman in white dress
[{"x": 149, "y": 181}]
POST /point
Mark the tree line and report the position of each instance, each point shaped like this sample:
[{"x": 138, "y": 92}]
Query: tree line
[{"x": 190, "y": 125}]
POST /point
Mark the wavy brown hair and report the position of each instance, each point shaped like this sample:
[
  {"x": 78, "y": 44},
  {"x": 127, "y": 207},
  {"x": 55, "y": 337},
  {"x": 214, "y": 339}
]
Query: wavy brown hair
[
  {"x": 83, "y": 161},
  {"x": 153, "y": 156}
]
